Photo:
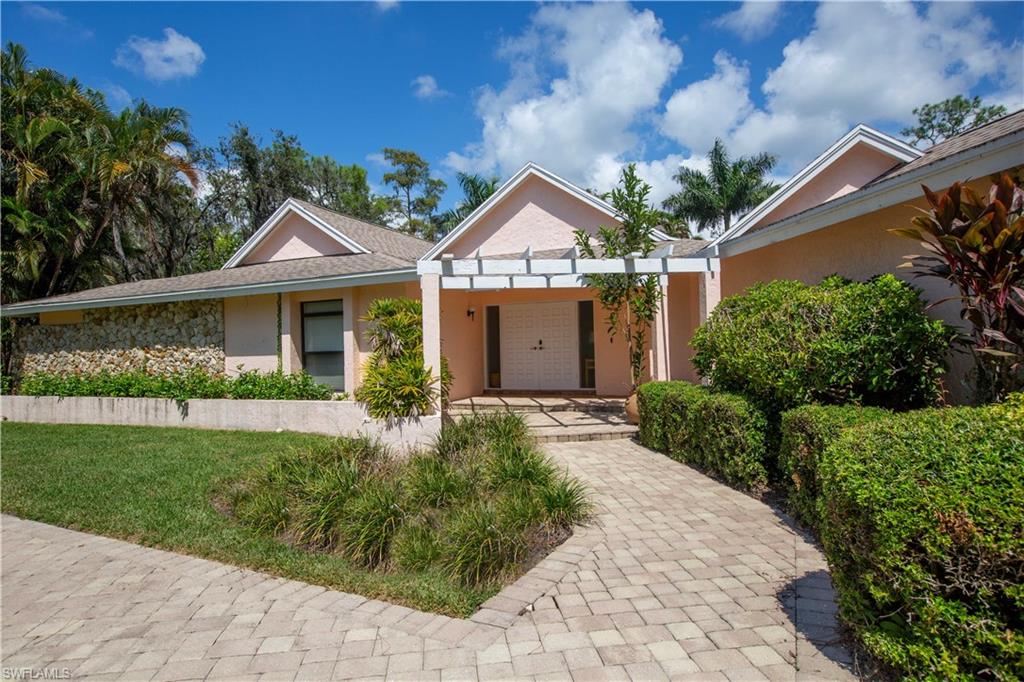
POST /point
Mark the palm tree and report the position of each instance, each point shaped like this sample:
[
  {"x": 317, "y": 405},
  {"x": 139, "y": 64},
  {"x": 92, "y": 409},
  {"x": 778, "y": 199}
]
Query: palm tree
[
  {"x": 79, "y": 184},
  {"x": 476, "y": 189},
  {"x": 729, "y": 187}
]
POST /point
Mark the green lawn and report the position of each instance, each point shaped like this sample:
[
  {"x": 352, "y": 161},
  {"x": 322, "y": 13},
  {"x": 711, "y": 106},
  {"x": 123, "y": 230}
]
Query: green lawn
[{"x": 154, "y": 486}]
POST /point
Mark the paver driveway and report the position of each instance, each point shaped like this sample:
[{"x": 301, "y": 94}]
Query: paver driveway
[{"x": 679, "y": 577}]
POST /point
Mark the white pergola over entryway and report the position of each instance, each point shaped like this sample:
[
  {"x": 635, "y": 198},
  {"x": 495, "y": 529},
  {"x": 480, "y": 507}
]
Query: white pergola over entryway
[{"x": 567, "y": 270}]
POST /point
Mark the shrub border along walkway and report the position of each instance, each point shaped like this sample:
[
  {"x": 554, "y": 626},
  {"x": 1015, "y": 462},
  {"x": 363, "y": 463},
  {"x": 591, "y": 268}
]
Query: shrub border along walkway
[{"x": 678, "y": 575}]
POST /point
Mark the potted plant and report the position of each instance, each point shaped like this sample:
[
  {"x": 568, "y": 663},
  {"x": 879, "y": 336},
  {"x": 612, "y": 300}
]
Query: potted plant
[{"x": 629, "y": 299}]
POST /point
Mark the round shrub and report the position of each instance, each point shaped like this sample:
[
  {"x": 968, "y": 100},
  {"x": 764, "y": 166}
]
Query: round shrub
[
  {"x": 785, "y": 344},
  {"x": 370, "y": 520},
  {"x": 480, "y": 546},
  {"x": 923, "y": 527}
]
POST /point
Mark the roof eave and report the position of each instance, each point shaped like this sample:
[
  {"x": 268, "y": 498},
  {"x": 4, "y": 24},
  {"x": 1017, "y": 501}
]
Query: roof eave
[
  {"x": 530, "y": 169},
  {"x": 282, "y": 286},
  {"x": 900, "y": 151},
  {"x": 975, "y": 162},
  {"x": 275, "y": 219}
]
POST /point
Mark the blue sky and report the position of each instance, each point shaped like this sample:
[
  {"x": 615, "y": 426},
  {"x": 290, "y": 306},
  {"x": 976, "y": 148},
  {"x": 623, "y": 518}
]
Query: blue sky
[{"x": 581, "y": 89}]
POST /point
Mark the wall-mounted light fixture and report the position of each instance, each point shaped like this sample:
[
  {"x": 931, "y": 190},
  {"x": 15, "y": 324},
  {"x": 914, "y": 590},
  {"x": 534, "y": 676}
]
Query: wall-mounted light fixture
[{"x": 471, "y": 313}]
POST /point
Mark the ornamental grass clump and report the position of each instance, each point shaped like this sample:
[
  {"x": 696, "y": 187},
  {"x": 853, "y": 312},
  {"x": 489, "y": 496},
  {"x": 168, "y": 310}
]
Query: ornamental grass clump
[
  {"x": 474, "y": 509},
  {"x": 481, "y": 545}
]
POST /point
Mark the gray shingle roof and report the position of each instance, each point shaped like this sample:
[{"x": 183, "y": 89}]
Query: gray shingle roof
[
  {"x": 376, "y": 238},
  {"x": 977, "y": 137},
  {"x": 261, "y": 273},
  {"x": 682, "y": 248},
  {"x": 390, "y": 250}
]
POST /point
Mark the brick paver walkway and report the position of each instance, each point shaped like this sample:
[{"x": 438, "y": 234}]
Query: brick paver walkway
[{"x": 679, "y": 577}]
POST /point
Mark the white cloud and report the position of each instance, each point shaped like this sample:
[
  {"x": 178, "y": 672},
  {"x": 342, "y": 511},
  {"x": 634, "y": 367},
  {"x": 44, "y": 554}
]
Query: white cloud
[
  {"x": 117, "y": 96},
  {"x": 386, "y": 5},
  {"x": 41, "y": 13},
  {"x": 585, "y": 95},
  {"x": 425, "y": 87},
  {"x": 610, "y": 63},
  {"x": 840, "y": 74},
  {"x": 753, "y": 20},
  {"x": 175, "y": 56},
  {"x": 710, "y": 108},
  {"x": 57, "y": 20}
]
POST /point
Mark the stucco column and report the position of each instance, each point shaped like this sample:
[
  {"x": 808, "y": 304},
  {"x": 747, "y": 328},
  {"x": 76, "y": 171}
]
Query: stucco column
[
  {"x": 285, "y": 313},
  {"x": 430, "y": 286},
  {"x": 659, "y": 335},
  {"x": 350, "y": 321},
  {"x": 709, "y": 293}
]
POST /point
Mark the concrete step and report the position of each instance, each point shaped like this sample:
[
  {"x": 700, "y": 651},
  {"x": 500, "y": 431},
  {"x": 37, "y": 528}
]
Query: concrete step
[
  {"x": 570, "y": 426},
  {"x": 527, "y": 405}
]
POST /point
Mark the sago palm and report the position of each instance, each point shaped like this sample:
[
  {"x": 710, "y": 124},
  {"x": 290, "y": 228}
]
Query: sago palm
[{"x": 728, "y": 187}]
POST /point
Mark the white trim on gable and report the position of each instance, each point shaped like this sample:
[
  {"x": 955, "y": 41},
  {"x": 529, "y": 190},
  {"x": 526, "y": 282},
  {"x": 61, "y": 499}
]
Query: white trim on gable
[
  {"x": 974, "y": 162},
  {"x": 291, "y": 206},
  {"x": 900, "y": 152},
  {"x": 529, "y": 170}
]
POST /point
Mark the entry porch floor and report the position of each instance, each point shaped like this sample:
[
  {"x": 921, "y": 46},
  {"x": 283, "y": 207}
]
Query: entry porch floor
[
  {"x": 557, "y": 418},
  {"x": 538, "y": 403}
]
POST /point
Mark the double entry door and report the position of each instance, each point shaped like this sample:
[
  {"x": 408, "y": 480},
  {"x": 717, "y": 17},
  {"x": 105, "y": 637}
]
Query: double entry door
[{"x": 540, "y": 347}]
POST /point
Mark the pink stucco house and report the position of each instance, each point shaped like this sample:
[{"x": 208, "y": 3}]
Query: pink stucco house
[{"x": 504, "y": 294}]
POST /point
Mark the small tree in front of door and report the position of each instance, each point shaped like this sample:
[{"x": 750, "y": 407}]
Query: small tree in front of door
[{"x": 629, "y": 299}]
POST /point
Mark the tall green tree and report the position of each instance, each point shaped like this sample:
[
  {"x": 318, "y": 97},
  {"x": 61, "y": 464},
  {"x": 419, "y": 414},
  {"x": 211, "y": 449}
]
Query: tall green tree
[
  {"x": 629, "y": 299},
  {"x": 79, "y": 184},
  {"x": 952, "y": 116},
  {"x": 476, "y": 189},
  {"x": 416, "y": 193},
  {"x": 344, "y": 189},
  {"x": 728, "y": 187}
]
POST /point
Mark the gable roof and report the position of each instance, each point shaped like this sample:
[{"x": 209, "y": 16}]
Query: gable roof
[
  {"x": 991, "y": 148},
  {"x": 530, "y": 170},
  {"x": 358, "y": 236},
  {"x": 976, "y": 137},
  {"x": 900, "y": 151}
]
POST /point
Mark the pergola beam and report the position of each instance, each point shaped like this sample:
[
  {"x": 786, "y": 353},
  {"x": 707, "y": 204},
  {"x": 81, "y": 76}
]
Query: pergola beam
[{"x": 484, "y": 267}]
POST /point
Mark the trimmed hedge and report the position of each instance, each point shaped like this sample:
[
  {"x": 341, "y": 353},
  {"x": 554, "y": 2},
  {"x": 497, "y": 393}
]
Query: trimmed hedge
[
  {"x": 720, "y": 433},
  {"x": 923, "y": 527},
  {"x": 784, "y": 344},
  {"x": 806, "y": 433},
  {"x": 651, "y": 403},
  {"x": 250, "y": 385}
]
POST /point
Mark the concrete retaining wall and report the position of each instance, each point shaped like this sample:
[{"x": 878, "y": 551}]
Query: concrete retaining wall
[{"x": 330, "y": 417}]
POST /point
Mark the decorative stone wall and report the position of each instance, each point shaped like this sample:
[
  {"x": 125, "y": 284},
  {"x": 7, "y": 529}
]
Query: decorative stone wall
[{"x": 160, "y": 339}]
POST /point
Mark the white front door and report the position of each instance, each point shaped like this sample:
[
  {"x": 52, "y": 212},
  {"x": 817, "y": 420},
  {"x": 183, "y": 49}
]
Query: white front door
[{"x": 540, "y": 346}]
